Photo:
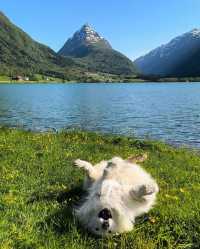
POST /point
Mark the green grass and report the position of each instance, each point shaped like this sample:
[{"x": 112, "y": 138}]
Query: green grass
[
  {"x": 38, "y": 187},
  {"x": 86, "y": 77},
  {"x": 4, "y": 78}
]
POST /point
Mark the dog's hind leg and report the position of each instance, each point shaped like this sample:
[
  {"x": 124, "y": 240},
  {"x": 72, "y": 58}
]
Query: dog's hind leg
[
  {"x": 142, "y": 191},
  {"x": 138, "y": 159},
  {"x": 144, "y": 197}
]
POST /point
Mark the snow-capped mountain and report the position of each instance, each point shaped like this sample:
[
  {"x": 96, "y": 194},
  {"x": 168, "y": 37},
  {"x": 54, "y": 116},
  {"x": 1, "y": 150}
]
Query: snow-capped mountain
[
  {"x": 84, "y": 37},
  {"x": 179, "y": 57},
  {"x": 96, "y": 53}
]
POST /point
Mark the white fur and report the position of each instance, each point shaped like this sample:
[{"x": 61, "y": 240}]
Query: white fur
[{"x": 120, "y": 186}]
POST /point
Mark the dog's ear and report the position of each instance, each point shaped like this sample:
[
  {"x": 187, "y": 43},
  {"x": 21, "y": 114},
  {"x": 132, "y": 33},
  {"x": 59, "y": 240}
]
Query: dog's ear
[{"x": 138, "y": 159}]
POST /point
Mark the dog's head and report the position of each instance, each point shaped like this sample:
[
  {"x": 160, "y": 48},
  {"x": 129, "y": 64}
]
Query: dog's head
[
  {"x": 102, "y": 213},
  {"x": 102, "y": 222}
]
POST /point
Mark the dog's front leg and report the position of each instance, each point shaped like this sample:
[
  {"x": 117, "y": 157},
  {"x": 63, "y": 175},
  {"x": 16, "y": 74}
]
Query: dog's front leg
[{"x": 88, "y": 167}]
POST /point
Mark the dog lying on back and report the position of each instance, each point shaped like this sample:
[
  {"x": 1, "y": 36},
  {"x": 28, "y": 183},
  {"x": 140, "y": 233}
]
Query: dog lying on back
[{"x": 118, "y": 191}]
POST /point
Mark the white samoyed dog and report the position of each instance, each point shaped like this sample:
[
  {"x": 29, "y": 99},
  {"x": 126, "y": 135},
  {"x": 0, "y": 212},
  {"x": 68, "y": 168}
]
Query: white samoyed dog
[{"x": 118, "y": 191}]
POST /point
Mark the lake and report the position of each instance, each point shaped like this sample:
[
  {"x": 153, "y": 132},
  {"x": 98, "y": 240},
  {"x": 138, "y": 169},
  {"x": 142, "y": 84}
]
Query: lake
[{"x": 163, "y": 111}]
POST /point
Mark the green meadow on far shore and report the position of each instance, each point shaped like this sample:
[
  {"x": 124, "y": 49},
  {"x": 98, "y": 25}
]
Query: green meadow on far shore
[
  {"x": 39, "y": 186},
  {"x": 98, "y": 78}
]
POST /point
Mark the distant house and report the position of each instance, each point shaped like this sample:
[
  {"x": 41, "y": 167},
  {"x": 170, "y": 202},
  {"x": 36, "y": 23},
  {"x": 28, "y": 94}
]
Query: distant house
[{"x": 20, "y": 78}]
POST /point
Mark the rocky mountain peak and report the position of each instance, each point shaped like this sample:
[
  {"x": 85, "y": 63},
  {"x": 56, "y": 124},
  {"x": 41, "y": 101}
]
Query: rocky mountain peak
[
  {"x": 81, "y": 40},
  {"x": 88, "y": 35}
]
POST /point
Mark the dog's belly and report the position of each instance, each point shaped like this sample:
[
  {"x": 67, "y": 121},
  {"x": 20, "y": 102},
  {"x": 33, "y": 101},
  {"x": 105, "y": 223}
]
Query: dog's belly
[{"x": 129, "y": 175}]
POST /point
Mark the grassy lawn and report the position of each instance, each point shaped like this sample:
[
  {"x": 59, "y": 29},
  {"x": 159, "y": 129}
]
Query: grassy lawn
[
  {"x": 38, "y": 187},
  {"x": 4, "y": 78}
]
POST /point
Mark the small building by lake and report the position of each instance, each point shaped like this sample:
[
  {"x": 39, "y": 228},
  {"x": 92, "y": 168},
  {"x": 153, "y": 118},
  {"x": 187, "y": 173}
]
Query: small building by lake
[{"x": 20, "y": 78}]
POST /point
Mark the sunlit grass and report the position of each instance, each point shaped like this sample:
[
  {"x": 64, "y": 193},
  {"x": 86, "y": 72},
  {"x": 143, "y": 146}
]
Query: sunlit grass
[{"x": 39, "y": 186}]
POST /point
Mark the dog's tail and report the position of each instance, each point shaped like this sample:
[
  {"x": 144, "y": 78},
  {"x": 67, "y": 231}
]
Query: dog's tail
[{"x": 138, "y": 158}]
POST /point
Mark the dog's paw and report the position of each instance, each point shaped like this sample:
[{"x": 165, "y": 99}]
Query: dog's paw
[
  {"x": 138, "y": 159},
  {"x": 79, "y": 163},
  {"x": 83, "y": 165}
]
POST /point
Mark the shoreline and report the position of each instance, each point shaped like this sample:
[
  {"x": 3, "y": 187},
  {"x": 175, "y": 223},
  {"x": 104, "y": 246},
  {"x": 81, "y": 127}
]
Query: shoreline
[
  {"x": 97, "y": 82},
  {"x": 54, "y": 131},
  {"x": 59, "y": 81}
]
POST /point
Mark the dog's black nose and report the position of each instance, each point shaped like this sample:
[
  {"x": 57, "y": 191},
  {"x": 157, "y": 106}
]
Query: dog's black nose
[
  {"x": 105, "y": 225},
  {"x": 105, "y": 214}
]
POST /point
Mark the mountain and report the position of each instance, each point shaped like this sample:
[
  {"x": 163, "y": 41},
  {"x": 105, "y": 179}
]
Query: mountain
[
  {"x": 91, "y": 59},
  {"x": 20, "y": 54},
  {"x": 78, "y": 45},
  {"x": 96, "y": 53},
  {"x": 178, "y": 58}
]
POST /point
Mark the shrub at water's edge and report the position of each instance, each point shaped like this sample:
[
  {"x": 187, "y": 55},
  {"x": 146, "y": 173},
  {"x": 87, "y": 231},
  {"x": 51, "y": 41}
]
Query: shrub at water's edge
[{"x": 39, "y": 186}]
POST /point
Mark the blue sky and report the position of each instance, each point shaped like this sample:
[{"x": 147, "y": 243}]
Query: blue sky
[{"x": 133, "y": 27}]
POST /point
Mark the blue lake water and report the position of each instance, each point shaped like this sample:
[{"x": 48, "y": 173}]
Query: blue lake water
[{"x": 167, "y": 111}]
